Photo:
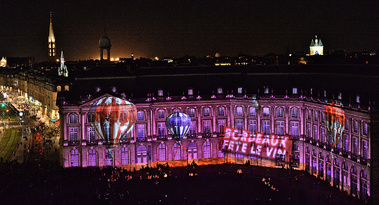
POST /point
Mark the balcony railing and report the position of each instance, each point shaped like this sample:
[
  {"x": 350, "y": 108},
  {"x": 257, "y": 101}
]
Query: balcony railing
[
  {"x": 142, "y": 139},
  {"x": 192, "y": 136},
  {"x": 206, "y": 135},
  {"x": 73, "y": 143}
]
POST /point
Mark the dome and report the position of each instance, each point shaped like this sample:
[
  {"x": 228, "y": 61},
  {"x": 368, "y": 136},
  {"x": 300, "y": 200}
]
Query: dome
[{"x": 104, "y": 42}]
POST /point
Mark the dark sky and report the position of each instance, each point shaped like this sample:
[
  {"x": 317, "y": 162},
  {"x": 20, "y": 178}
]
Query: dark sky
[{"x": 176, "y": 28}]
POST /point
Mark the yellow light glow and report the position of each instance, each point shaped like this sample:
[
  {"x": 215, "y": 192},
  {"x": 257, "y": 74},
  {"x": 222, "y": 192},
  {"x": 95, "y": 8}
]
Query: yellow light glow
[
  {"x": 156, "y": 58},
  {"x": 57, "y": 60},
  {"x": 112, "y": 59}
]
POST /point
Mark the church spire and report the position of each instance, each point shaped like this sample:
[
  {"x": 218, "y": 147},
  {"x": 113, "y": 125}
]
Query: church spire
[
  {"x": 51, "y": 40},
  {"x": 62, "y": 70}
]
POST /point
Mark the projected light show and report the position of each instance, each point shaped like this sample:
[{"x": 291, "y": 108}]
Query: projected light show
[
  {"x": 335, "y": 122},
  {"x": 114, "y": 118},
  {"x": 256, "y": 144},
  {"x": 178, "y": 125}
]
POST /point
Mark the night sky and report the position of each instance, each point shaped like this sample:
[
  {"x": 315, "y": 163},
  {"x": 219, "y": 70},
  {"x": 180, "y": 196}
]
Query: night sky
[{"x": 176, "y": 28}]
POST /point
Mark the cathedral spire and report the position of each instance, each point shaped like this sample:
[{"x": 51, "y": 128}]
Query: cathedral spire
[{"x": 51, "y": 40}]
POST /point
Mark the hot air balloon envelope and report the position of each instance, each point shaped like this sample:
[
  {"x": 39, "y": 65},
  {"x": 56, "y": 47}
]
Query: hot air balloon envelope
[
  {"x": 178, "y": 125},
  {"x": 114, "y": 118}
]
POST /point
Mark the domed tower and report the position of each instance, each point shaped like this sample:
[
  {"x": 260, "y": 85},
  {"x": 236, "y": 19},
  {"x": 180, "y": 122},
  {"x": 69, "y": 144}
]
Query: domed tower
[
  {"x": 316, "y": 47},
  {"x": 105, "y": 43}
]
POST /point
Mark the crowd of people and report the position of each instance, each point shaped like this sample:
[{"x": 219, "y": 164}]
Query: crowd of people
[{"x": 47, "y": 183}]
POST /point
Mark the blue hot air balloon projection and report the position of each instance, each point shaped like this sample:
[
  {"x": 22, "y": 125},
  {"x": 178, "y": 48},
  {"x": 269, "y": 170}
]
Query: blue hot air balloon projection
[{"x": 178, "y": 125}]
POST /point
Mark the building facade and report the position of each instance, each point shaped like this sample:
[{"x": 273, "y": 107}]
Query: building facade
[
  {"x": 316, "y": 47},
  {"x": 346, "y": 166}
]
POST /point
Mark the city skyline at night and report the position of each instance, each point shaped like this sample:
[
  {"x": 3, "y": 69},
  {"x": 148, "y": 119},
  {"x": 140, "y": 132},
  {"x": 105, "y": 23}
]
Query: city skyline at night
[{"x": 195, "y": 28}]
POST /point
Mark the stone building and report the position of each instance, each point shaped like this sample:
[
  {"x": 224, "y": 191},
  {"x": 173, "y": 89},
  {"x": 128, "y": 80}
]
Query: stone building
[{"x": 293, "y": 111}]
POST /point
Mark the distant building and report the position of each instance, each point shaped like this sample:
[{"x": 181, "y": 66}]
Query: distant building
[
  {"x": 3, "y": 62},
  {"x": 316, "y": 47},
  {"x": 51, "y": 40},
  {"x": 105, "y": 43},
  {"x": 62, "y": 70}
]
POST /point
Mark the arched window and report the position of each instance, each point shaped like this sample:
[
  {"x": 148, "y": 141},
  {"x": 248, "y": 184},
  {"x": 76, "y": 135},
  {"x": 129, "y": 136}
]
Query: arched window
[
  {"x": 191, "y": 112},
  {"x": 221, "y": 111},
  {"x": 345, "y": 175},
  {"x": 108, "y": 158},
  {"x": 177, "y": 151},
  {"x": 176, "y": 110},
  {"x": 363, "y": 175},
  {"x": 314, "y": 161},
  {"x": 266, "y": 111},
  {"x": 92, "y": 162},
  {"x": 192, "y": 150},
  {"x": 207, "y": 149},
  {"x": 239, "y": 111},
  {"x": 354, "y": 181},
  {"x": 321, "y": 165},
  {"x": 328, "y": 169},
  {"x": 74, "y": 158},
  {"x": 59, "y": 88},
  {"x": 73, "y": 118},
  {"x": 162, "y": 152},
  {"x": 140, "y": 115},
  {"x": 160, "y": 114},
  {"x": 364, "y": 186},
  {"x": 66, "y": 88},
  {"x": 294, "y": 112},
  {"x": 141, "y": 154},
  {"x": 252, "y": 111},
  {"x": 206, "y": 112},
  {"x": 124, "y": 156},
  {"x": 307, "y": 161},
  {"x": 279, "y": 112},
  {"x": 336, "y": 174}
]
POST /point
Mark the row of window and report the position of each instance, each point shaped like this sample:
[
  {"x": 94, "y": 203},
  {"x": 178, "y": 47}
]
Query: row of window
[
  {"x": 365, "y": 127},
  {"x": 206, "y": 113},
  {"x": 142, "y": 154},
  {"x": 342, "y": 144},
  {"x": 221, "y": 112},
  {"x": 323, "y": 166},
  {"x": 206, "y": 129}
]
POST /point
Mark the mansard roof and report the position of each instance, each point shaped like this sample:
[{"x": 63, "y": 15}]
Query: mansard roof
[{"x": 143, "y": 83}]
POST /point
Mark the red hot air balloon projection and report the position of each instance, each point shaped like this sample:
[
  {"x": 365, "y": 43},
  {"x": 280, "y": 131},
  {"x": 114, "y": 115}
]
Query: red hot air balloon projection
[
  {"x": 114, "y": 118},
  {"x": 335, "y": 123}
]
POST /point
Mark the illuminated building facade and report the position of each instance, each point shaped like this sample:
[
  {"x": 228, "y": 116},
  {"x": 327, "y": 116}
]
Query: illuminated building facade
[
  {"x": 62, "y": 70},
  {"x": 51, "y": 41},
  {"x": 316, "y": 47},
  {"x": 3, "y": 62},
  {"x": 346, "y": 166}
]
